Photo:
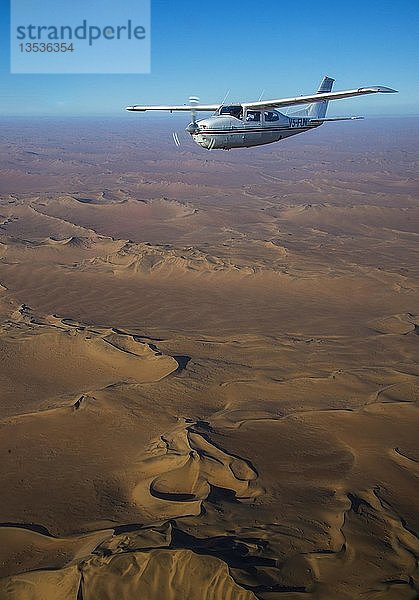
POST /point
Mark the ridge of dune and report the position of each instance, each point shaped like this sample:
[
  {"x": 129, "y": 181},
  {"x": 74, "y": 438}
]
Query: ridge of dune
[
  {"x": 61, "y": 206},
  {"x": 146, "y": 258},
  {"x": 63, "y": 584},
  {"x": 28, "y": 219},
  {"x": 357, "y": 218},
  {"x": 106, "y": 196},
  {"x": 41, "y": 551},
  {"x": 73, "y": 241},
  {"x": 180, "y": 469},
  {"x": 172, "y": 574},
  {"x": 52, "y": 354},
  {"x": 397, "y": 324},
  {"x": 59, "y": 250}
]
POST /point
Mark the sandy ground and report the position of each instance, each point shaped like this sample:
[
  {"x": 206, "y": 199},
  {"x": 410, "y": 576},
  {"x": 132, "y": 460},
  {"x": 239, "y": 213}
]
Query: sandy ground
[{"x": 209, "y": 364}]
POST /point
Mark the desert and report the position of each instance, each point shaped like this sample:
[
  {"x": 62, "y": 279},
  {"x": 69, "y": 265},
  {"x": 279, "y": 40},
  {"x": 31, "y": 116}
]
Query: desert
[{"x": 209, "y": 372}]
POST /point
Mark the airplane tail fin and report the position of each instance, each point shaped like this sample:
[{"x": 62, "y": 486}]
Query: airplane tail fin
[{"x": 317, "y": 110}]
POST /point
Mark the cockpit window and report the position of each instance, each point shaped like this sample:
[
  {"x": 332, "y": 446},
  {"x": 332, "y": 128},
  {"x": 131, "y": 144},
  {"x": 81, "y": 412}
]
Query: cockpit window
[
  {"x": 253, "y": 116},
  {"x": 271, "y": 115},
  {"x": 234, "y": 111}
]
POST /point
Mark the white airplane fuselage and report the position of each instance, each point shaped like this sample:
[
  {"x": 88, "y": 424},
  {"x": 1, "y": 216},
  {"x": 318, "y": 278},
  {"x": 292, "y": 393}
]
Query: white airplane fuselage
[{"x": 224, "y": 131}]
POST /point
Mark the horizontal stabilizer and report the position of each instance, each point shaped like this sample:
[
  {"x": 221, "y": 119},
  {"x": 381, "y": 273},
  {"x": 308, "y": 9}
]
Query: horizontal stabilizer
[{"x": 335, "y": 119}]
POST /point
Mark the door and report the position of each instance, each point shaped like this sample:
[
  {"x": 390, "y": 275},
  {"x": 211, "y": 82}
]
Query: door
[{"x": 253, "y": 126}]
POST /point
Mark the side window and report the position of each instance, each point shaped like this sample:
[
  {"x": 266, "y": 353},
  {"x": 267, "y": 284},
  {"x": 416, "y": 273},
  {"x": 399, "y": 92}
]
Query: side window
[
  {"x": 271, "y": 116},
  {"x": 253, "y": 116},
  {"x": 238, "y": 113}
]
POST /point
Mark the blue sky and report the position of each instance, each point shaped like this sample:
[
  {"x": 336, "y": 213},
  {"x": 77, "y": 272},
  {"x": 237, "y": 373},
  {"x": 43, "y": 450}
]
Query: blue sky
[{"x": 243, "y": 46}]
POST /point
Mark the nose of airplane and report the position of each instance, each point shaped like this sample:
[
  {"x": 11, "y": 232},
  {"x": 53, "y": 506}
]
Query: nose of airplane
[{"x": 192, "y": 128}]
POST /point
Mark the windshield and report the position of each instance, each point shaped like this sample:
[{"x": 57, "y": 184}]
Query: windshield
[{"x": 234, "y": 111}]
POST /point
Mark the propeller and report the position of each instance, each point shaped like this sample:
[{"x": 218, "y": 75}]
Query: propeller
[{"x": 193, "y": 126}]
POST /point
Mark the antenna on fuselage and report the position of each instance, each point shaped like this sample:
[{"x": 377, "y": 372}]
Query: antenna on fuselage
[{"x": 225, "y": 98}]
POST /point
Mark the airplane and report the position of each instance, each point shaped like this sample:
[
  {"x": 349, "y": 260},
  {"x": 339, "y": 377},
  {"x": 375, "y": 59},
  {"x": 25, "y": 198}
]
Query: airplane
[{"x": 258, "y": 123}]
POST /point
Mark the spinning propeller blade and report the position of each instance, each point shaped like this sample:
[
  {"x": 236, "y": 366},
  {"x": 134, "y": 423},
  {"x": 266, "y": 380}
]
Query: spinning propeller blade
[
  {"x": 193, "y": 101},
  {"x": 193, "y": 127}
]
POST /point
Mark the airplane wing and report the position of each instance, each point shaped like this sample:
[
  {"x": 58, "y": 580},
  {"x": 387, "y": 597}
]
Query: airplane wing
[
  {"x": 268, "y": 103},
  {"x": 317, "y": 97},
  {"x": 182, "y": 107}
]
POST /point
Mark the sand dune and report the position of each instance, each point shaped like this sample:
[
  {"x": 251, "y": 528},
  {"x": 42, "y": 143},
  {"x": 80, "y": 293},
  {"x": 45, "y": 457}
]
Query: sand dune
[
  {"x": 65, "y": 360},
  {"x": 123, "y": 576},
  {"x": 209, "y": 369},
  {"x": 25, "y": 549},
  {"x": 146, "y": 259},
  {"x": 62, "y": 585},
  {"x": 183, "y": 469},
  {"x": 397, "y": 324},
  {"x": 114, "y": 217},
  {"x": 355, "y": 219},
  {"x": 148, "y": 572}
]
